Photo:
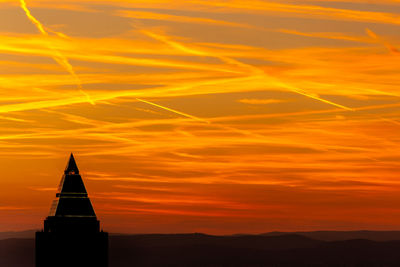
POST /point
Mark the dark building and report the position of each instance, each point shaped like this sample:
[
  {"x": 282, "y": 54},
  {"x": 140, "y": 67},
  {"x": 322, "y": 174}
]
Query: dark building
[{"x": 71, "y": 235}]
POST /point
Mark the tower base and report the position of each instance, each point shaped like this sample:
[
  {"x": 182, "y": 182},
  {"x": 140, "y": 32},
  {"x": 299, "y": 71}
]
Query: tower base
[{"x": 71, "y": 249}]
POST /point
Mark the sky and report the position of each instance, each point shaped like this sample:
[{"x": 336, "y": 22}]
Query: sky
[{"x": 220, "y": 117}]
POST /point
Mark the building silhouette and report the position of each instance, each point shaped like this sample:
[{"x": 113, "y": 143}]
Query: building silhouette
[{"x": 71, "y": 235}]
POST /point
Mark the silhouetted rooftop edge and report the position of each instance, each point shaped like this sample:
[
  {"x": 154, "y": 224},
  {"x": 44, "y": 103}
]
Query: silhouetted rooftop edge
[
  {"x": 72, "y": 198},
  {"x": 71, "y": 168}
]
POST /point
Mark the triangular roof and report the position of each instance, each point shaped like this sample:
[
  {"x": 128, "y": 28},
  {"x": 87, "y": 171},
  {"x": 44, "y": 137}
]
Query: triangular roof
[
  {"x": 71, "y": 166},
  {"x": 72, "y": 199}
]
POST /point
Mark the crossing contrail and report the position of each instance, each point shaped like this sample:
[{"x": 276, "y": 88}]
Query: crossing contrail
[
  {"x": 256, "y": 72},
  {"x": 57, "y": 55},
  {"x": 173, "y": 110}
]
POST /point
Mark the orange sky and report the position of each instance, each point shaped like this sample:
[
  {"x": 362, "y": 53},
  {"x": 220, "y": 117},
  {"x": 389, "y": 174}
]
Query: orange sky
[{"x": 225, "y": 116}]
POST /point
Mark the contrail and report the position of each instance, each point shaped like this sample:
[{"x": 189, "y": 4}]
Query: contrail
[
  {"x": 58, "y": 57},
  {"x": 380, "y": 40},
  {"x": 312, "y": 95},
  {"x": 32, "y": 18},
  {"x": 244, "y": 132},
  {"x": 254, "y": 70},
  {"x": 173, "y": 111}
]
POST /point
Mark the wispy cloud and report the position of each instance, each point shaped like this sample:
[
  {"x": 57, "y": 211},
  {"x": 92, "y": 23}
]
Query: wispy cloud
[
  {"x": 174, "y": 18},
  {"x": 58, "y": 57},
  {"x": 254, "y": 101},
  {"x": 240, "y": 112}
]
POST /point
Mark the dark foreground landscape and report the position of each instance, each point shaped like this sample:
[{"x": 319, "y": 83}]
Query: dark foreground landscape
[{"x": 363, "y": 248}]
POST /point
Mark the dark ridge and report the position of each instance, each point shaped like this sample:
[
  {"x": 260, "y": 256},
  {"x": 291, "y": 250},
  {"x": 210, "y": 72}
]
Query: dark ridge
[
  {"x": 246, "y": 241},
  {"x": 209, "y": 251},
  {"x": 318, "y": 235},
  {"x": 344, "y": 235},
  {"x": 288, "y": 250},
  {"x": 21, "y": 234},
  {"x": 17, "y": 252}
]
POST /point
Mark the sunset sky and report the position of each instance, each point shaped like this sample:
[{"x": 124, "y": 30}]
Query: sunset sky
[{"x": 214, "y": 116}]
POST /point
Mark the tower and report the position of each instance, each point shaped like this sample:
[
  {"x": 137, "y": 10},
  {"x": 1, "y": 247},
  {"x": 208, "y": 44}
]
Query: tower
[{"x": 71, "y": 235}]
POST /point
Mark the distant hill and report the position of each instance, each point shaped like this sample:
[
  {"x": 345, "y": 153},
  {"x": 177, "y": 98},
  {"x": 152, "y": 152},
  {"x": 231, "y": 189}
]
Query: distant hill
[
  {"x": 240, "y": 250},
  {"x": 344, "y": 235},
  {"x": 17, "y": 252},
  {"x": 318, "y": 235},
  {"x": 245, "y": 250},
  {"x": 21, "y": 234}
]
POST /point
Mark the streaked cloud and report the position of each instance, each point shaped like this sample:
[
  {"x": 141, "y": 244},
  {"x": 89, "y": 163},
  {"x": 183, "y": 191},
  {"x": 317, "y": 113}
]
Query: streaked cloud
[
  {"x": 174, "y": 18},
  {"x": 255, "y": 101},
  {"x": 58, "y": 57}
]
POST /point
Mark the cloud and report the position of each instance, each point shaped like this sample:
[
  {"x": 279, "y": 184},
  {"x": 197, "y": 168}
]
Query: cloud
[
  {"x": 320, "y": 12},
  {"x": 174, "y": 18},
  {"x": 11, "y": 208},
  {"x": 326, "y": 144},
  {"x": 57, "y": 56},
  {"x": 173, "y": 110},
  {"x": 43, "y": 189},
  {"x": 276, "y": 8},
  {"x": 261, "y": 101},
  {"x": 327, "y": 35},
  {"x": 390, "y": 47}
]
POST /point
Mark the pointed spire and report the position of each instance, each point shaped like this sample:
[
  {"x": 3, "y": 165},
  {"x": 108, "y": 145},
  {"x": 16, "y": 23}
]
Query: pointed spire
[
  {"x": 72, "y": 198},
  {"x": 71, "y": 168}
]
